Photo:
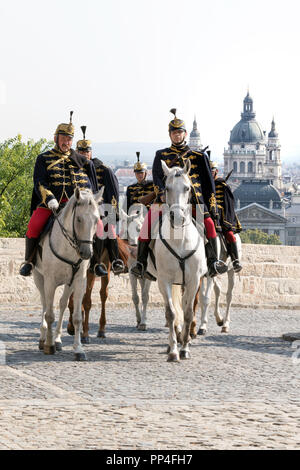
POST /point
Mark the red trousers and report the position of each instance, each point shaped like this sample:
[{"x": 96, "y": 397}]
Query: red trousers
[{"x": 229, "y": 235}]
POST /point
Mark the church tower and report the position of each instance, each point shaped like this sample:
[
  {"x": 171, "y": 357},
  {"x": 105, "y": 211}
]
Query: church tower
[
  {"x": 195, "y": 141},
  {"x": 273, "y": 161}
]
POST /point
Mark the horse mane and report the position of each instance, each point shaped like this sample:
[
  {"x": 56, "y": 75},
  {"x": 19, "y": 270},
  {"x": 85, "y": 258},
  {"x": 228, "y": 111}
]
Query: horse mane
[{"x": 123, "y": 251}]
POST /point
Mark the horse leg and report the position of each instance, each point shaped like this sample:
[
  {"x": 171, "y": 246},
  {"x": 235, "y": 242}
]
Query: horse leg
[
  {"x": 70, "y": 327},
  {"x": 39, "y": 282},
  {"x": 193, "y": 329},
  {"x": 166, "y": 291},
  {"x": 205, "y": 301},
  {"x": 135, "y": 298},
  {"x": 86, "y": 307},
  {"x": 49, "y": 346},
  {"x": 230, "y": 287},
  {"x": 188, "y": 317},
  {"x": 103, "y": 296},
  {"x": 145, "y": 286},
  {"x": 217, "y": 289},
  {"x": 62, "y": 307},
  {"x": 79, "y": 288}
]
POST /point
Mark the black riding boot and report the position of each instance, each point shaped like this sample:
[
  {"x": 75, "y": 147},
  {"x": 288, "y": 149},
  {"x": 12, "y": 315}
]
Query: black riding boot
[
  {"x": 98, "y": 268},
  {"x": 140, "y": 268},
  {"x": 117, "y": 264},
  {"x": 30, "y": 250},
  {"x": 215, "y": 266},
  {"x": 233, "y": 253}
]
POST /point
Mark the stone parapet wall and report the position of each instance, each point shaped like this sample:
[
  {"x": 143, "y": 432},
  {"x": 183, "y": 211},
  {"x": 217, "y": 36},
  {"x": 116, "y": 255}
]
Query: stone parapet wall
[{"x": 270, "y": 279}]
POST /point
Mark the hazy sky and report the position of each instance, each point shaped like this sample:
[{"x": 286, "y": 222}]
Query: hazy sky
[{"x": 121, "y": 65}]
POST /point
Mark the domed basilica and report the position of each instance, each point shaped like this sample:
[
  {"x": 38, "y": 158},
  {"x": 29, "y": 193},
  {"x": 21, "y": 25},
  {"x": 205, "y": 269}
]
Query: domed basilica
[{"x": 250, "y": 153}]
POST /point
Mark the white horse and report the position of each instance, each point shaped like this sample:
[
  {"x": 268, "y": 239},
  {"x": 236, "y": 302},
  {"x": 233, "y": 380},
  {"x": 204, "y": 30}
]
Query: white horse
[
  {"x": 66, "y": 251},
  {"x": 134, "y": 221},
  {"x": 180, "y": 257},
  {"x": 215, "y": 282}
]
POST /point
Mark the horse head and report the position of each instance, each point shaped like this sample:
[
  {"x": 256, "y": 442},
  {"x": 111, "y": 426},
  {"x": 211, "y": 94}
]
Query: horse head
[
  {"x": 80, "y": 217},
  {"x": 177, "y": 190}
]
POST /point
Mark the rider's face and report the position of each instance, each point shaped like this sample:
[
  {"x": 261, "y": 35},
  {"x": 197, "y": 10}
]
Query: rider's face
[
  {"x": 214, "y": 173},
  {"x": 86, "y": 154},
  {"x": 140, "y": 176},
  {"x": 178, "y": 136},
  {"x": 64, "y": 142}
]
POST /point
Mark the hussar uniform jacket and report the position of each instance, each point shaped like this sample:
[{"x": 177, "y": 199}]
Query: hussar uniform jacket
[
  {"x": 56, "y": 175},
  {"x": 137, "y": 190},
  {"x": 107, "y": 178},
  {"x": 203, "y": 186},
  {"x": 225, "y": 200}
]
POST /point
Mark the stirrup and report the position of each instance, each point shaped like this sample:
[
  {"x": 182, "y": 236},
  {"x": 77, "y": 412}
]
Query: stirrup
[
  {"x": 117, "y": 269},
  {"x": 137, "y": 270},
  {"x": 102, "y": 267},
  {"x": 237, "y": 267},
  {"x": 26, "y": 269},
  {"x": 220, "y": 267}
]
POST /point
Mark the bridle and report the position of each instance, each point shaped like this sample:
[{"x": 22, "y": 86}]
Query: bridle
[{"x": 74, "y": 242}]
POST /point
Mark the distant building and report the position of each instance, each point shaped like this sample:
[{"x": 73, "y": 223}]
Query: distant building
[
  {"x": 250, "y": 154},
  {"x": 195, "y": 141},
  {"x": 256, "y": 216},
  {"x": 261, "y": 192}
]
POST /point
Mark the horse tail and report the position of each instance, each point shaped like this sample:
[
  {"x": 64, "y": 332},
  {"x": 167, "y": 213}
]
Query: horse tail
[
  {"x": 123, "y": 251},
  {"x": 177, "y": 302}
]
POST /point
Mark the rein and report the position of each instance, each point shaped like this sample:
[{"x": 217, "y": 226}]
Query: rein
[
  {"x": 73, "y": 241},
  {"x": 181, "y": 259}
]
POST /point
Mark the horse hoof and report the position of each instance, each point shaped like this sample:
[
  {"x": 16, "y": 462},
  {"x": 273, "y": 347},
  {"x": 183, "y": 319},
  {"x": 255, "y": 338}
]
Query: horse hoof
[
  {"x": 41, "y": 344},
  {"x": 185, "y": 354},
  {"x": 173, "y": 357},
  {"x": 71, "y": 330},
  {"x": 85, "y": 340},
  {"x": 225, "y": 329},
  {"x": 101, "y": 334},
  {"x": 58, "y": 346},
  {"x": 49, "y": 349},
  {"x": 193, "y": 335},
  {"x": 80, "y": 357},
  {"x": 220, "y": 323},
  {"x": 142, "y": 327},
  {"x": 201, "y": 332}
]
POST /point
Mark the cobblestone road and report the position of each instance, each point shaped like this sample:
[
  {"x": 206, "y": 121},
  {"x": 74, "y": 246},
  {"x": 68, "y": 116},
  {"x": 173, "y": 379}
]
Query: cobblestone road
[{"x": 238, "y": 391}]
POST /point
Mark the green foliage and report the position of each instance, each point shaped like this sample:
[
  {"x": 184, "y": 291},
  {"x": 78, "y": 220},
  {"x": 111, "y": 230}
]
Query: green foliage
[
  {"x": 17, "y": 161},
  {"x": 258, "y": 237}
]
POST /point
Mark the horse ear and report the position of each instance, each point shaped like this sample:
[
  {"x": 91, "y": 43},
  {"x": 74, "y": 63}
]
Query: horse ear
[
  {"x": 99, "y": 195},
  {"x": 165, "y": 168},
  {"x": 187, "y": 166},
  {"x": 77, "y": 193}
]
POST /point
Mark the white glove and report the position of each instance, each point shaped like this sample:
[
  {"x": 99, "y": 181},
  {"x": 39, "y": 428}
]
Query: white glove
[{"x": 53, "y": 204}]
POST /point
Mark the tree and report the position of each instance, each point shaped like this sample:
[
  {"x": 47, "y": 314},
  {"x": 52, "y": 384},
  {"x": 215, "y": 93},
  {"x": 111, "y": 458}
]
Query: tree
[
  {"x": 256, "y": 236},
  {"x": 17, "y": 161}
]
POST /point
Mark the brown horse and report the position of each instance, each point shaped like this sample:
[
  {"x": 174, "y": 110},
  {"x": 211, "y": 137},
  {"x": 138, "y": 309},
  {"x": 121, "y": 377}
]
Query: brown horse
[{"x": 87, "y": 301}]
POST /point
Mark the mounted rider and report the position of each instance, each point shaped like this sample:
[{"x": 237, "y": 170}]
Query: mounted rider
[
  {"x": 141, "y": 191},
  {"x": 106, "y": 238},
  {"x": 57, "y": 173},
  {"x": 203, "y": 196},
  {"x": 229, "y": 221}
]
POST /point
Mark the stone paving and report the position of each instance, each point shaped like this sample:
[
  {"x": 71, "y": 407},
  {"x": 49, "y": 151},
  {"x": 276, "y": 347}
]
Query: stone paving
[{"x": 238, "y": 391}]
